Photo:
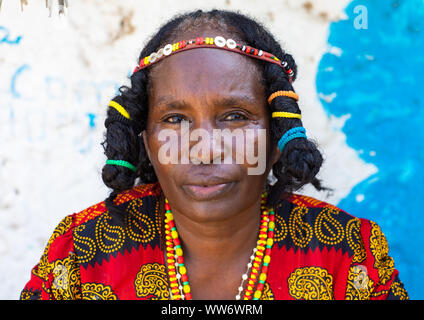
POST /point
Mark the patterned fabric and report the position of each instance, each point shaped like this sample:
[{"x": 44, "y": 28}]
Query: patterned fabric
[{"x": 320, "y": 253}]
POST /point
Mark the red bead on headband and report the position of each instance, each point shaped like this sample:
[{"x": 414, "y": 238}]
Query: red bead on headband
[{"x": 217, "y": 43}]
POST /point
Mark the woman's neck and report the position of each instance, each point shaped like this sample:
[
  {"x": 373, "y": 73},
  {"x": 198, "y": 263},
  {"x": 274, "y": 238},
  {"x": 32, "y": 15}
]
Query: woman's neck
[
  {"x": 219, "y": 239},
  {"x": 216, "y": 253}
]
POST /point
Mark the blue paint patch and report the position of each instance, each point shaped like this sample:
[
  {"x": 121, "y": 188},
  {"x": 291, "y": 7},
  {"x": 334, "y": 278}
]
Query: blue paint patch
[
  {"x": 92, "y": 117},
  {"x": 13, "y": 81},
  {"x": 378, "y": 80},
  {"x": 5, "y": 37}
]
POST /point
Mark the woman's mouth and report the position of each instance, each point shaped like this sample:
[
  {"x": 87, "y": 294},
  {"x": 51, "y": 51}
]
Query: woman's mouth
[{"x": 202, "y": 192}]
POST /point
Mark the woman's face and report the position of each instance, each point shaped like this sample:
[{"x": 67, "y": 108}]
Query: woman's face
[{"x": 208, "y": 92}]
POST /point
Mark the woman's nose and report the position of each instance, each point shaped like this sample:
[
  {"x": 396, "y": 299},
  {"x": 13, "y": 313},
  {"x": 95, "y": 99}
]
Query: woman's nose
[{"x": 205, "y": 144}]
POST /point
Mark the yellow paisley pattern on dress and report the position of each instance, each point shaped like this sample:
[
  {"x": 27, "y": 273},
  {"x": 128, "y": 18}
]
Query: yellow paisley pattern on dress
[
  {"x": 380, "y": 251},
  {"x": 267, "y": 293},
  {"x": 311, "y": 283},
  {"x": 327, "y": 229},
  {"x": 139, "y": 226},
  {"x": 398, "y": 291},
  {"x": 97, "y": 291},
  {"x": 300, "y": 231},
  {"x": 280, "y": 229},
  {"x": 26, "y": 295},
  {"x": 109, "y": 238},
  {"x": 152, "y": 282},
  {"x": 354, "y": 240},
  {"x": 85, "y": 245}
]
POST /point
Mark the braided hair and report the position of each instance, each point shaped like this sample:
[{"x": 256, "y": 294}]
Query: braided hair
[{"x": 300, "y": 160}]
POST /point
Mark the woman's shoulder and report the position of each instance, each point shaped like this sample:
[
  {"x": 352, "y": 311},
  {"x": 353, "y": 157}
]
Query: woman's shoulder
[
  {"x": 310, "y": 223},
  {"x": 100, "y": 231},
  {"x": 92, "y": 236},
  {"x": 122, "y": 200},
  {"x": 324, "y": 239},
  {"x": 125, "y": 200}
]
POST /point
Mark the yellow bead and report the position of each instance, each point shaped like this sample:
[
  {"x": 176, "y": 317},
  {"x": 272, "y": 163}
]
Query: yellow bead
[
  {"x": 179, "y": 252},
  {"x": 186, "y": 288},
  {"x": 269, "y": 242},
  {"x": 146, "y": 60},
  {"x": 267, "y": 259},
  {"x": 272, "y": 224},
  {"x": 262, "y": 277},
  {"x": 183, "y": 270},
  {"x": 257, "y": 294},
  {"x": 174, "y": 234}
]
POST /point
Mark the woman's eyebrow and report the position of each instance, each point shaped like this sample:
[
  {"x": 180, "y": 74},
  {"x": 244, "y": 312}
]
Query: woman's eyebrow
[
  {"x": 171, "y": 104},
  {"x": 236, "y": 101}
]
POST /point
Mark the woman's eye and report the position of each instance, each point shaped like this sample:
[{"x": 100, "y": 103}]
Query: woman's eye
[
  {"x": 235, "y": 117},
  {"x": 174, "y": 119}
]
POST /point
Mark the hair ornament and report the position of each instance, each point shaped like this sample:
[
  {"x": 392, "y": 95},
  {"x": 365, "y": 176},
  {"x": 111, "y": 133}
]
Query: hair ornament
[
  {"x": 217, "y": 42},
  {"x": 282, "y": 93},
  {"x": 283, "y": 114},
  {"x": 121, "y": 163},
  {"x": 120, "y": 109},
  {"x": 297, "y": 132}
]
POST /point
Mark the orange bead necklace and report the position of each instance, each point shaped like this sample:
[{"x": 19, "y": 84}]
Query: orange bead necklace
[{"x": 259, "y": 261}]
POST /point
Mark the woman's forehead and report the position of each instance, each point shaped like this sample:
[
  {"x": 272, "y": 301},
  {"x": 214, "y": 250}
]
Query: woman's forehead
[{"x": 205, "y": 71}]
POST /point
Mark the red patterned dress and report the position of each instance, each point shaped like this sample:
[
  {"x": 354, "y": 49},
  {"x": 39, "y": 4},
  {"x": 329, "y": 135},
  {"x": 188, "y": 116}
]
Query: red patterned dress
[{"x": 320, "y": 253}]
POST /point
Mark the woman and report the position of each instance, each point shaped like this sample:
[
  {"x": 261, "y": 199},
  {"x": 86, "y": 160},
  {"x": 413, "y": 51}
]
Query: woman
[{"x": 203, "y": 221}]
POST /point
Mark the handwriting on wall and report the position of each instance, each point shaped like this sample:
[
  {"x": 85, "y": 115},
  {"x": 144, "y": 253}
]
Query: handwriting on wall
[{"x": 25, "y": 92}]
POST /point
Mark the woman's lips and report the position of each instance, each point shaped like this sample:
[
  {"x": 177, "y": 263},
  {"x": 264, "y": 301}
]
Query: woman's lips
[{"x": 207, "y": 192}]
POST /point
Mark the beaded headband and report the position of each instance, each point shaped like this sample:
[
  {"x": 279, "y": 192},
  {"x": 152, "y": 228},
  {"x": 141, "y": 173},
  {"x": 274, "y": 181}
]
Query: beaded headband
[{"x": 218, "y": 43}]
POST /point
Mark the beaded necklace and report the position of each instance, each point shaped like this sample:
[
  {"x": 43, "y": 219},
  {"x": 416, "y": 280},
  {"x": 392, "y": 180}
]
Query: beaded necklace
[{"x": 177, "y": 272}]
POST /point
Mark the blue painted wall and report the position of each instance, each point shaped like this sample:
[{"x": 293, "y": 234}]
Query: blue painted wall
[{"x": 379, "y": 81}]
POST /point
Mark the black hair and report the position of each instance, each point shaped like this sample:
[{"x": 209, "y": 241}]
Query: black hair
[{"x": 300, "y": 160}]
